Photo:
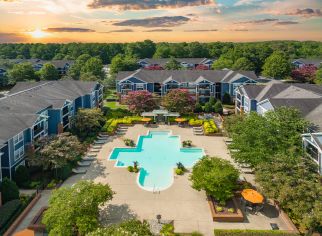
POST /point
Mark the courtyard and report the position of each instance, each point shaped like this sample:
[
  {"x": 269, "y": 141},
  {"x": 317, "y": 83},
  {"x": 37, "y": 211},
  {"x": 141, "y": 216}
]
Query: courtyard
[{"x": 187, "y": 207}]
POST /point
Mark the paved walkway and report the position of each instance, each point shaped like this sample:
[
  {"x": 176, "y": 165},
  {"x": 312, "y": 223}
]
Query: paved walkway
[{"x": 186, "y": 206}]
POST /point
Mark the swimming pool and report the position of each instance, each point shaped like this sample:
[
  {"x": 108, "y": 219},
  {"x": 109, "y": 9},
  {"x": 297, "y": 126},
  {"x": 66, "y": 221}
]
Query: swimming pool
[{"x": 157, "y": 154}]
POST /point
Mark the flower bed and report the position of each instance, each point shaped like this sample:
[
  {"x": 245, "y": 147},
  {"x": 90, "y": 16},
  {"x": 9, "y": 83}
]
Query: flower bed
[
  {"x": 210, "y": 127},
  {"x": 196, "y": 122},
  {"x": 111, "y": 125},
  {"x": 231, "y": 212},
  {"x": 240, "y": 232}
]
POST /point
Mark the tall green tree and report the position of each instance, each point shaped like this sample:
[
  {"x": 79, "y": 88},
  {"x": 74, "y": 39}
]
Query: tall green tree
[
  {"x": 57, "y": 151},
  {"x": 74, "y": 210},
  {"x": 277, "y": 66},
  {"x": 173, "y": 64},
  {"x": 123, "y": 63},
  {"x": 243, "y": 64},
  {"x": 22, "y": 72},
  {"x": 48, "y": 72},
  {"x": 88, "y": 122},
  {"x": 75, "y": 70},
  {"x": 222, "y": 63},
  {"x": 94, "y": 66},
  {"x": 178, "y": 100},
  {"x": 215, "y": 176}
]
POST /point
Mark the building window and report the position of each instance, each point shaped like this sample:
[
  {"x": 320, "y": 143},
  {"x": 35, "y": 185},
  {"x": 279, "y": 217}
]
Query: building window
[
  {"x": 313, "y": 152},
  {"x": 19, "y": 153},
  {"x": 18, "y": 138},
  {"x": 140, "y": 87}
]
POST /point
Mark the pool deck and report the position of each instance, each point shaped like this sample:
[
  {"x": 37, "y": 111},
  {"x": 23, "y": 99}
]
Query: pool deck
[{"x": 186, "y": 206}]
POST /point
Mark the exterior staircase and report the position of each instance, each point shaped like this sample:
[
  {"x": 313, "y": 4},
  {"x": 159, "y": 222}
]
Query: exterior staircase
[{"x": 198, "y": 130}]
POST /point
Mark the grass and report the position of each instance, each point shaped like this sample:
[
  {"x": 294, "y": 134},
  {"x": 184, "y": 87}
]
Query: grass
[{"x": 114, "y": 105}]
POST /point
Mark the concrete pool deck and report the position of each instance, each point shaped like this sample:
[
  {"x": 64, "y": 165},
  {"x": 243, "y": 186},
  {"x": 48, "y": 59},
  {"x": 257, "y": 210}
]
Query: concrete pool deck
[{"x": 186, "y": 206}]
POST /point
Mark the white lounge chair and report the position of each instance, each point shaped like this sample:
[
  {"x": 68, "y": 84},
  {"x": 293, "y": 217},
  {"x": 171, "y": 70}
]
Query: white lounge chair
[
  {"x": 79, "y": 171},
  {"x": 84, "y": 163},
  {"x": 99, "y": 141},
  {"x": 91, "y": 154},
  {"x": 94, "y": 150},
  {"x": 87, "y": 158}
]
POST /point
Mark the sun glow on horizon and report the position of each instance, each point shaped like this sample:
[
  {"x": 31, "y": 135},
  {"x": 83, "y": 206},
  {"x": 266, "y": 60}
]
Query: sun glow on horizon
[{"x": 38, "y": 33}]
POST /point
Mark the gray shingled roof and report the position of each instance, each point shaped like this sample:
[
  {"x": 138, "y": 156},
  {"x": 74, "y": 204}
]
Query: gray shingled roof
[
  {"x": 18, "y": 110},
  {"x": 163, "y": 61},
  {"x": 159, "y": 76},
  {"x": 252, "y": 90},
  {"x": 317, "y": 62}
]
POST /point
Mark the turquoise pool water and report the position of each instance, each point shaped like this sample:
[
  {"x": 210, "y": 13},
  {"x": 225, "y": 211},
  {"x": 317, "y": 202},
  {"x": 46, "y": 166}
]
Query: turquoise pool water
[{"x": 157, "y": 154}]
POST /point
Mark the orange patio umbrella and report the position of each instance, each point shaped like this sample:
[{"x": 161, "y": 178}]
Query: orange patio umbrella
[
  {"x": 180, "y": 119},
  {"x": 25, "y": 232},
  {"x": 252, "y": 196},
  {"x": 146, "y": 119}
]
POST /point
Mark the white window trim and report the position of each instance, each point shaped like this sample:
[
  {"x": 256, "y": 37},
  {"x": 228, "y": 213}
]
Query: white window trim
[
  {"x": 18, "y": 138},
  {"x": 20, "y": 152}
]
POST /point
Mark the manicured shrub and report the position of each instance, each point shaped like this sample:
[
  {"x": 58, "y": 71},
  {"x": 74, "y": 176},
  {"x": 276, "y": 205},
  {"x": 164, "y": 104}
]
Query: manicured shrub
[
  {"x": 130, "y": 168},
  {"x": 215, "y": 176},
  {"x": 209, "y": 107},
  {"x": 195, "y": 122},
  {"x": 210, "y": 127},
  {"x": 64, "y": 172},
  {"x": 179, "y": 171},
  {"x": 212, "y": 101},
  {"x": 22, "y": 176},
  {"x": 7, "y": 212},
  {"x": 129, "y": 142},
  {"x": 226, "y": 99},
  {"x": 218, "y": 108},
  {"x": 198, "y": 108},
  {"x": 167, "y": 230},
  {"x": 240, "y": 232},
  {"x": 187, "y": 143},
  {"x": 9, "y": 190}
]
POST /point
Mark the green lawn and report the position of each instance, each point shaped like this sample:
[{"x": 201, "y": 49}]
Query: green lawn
[{"x": 114, "y": 105}]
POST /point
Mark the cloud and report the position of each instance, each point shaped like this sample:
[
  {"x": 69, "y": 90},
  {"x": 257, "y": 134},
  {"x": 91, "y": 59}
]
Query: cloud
[
  {"x": 258, "y": 22},
  {"x": 307, "y": 12},
  {"x": 287, "y": 23},
  {"x": 11, "y": 38},
  {"x": 163, "y": 21},
  {"x": 159, "y": 30},
  {"x": 146, "y": 4},
  {"x": 118, "y": 31},
  {"x": 201, "y": 30},
  {"x": 245, "y": 2},
  {"x": 68, "y": 29}
]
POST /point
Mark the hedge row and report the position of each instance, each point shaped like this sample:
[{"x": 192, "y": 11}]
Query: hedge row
[
  {"x": 237, "y": 232},
  {"x": 111, "y": 124},
  {"x": 8, "y": 212}
]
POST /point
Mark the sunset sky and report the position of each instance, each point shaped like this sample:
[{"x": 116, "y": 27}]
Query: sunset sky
[{"x": 159, "y": 20}]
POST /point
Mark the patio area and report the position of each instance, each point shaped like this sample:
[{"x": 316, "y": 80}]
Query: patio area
[{"x": 186, "y": 206}]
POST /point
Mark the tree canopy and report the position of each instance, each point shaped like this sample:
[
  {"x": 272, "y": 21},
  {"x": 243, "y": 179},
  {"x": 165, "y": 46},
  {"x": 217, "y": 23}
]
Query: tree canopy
[
  {"x": 139, "y": 101},
  {"x": 178, "y": 100},
  {"x": 173, "y": 64},
  {"x": 48, "y": 72},
  {"x": 216, "y": 176},
  {"x": 74, "y": 210},
  {"x": 57, "y": 151},
  {"x": 277, "y": 66},
  {"x": 22, "y": 72}
]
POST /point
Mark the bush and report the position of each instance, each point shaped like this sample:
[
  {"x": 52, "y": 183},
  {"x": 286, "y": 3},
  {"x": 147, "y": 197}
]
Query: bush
[
  {"x": 209, "y": 107},
  {"x": 64, "y": 172},
  {"x": 179, "y": 171},
  {"x": 7, "y": 212},
  {"x": 187, "y": 143},
  {"x": 219, "y": 209},
  {"x": 240, "y": 232},
  {"x": 218, "y": 107},
  {"x": 167, "y": 230},
  {"x": 195, "y": 122},
  {"x": 9, "y": 190},
  {"x": 198, "y": 108},
  {"x": 22, "y": 176},
  {"x": 129, "y": 142},
  {"x": 212, "y": 101},
  {"x": 210, "y": 127},
  {"x": 216, "y": 176},
  {"x": 226, "y": 99},
  {"x": 130, "y": 168}
]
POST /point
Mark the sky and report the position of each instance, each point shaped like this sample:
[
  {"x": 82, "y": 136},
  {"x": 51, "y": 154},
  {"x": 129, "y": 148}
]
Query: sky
[{"x": 62, "y": 21}]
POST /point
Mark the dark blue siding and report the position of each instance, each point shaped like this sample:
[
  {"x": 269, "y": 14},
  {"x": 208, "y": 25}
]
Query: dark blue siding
[
  {"x": 253, "y": 105},
  {"x": 150, "y": 87},
  {"x": 224, "y": 89},
  {"x": 5, "y": 156},
  {"x": 78, "y": 103},
  {"x": 87, "y": 101},
  {"x": 53, "y": 121}
]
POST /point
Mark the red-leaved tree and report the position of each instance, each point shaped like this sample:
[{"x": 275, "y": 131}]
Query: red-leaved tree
[
  {"x": 305, "y": 73},
  {"x": 179, "y": 100},
  {"x": 140, "y": 101}
]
